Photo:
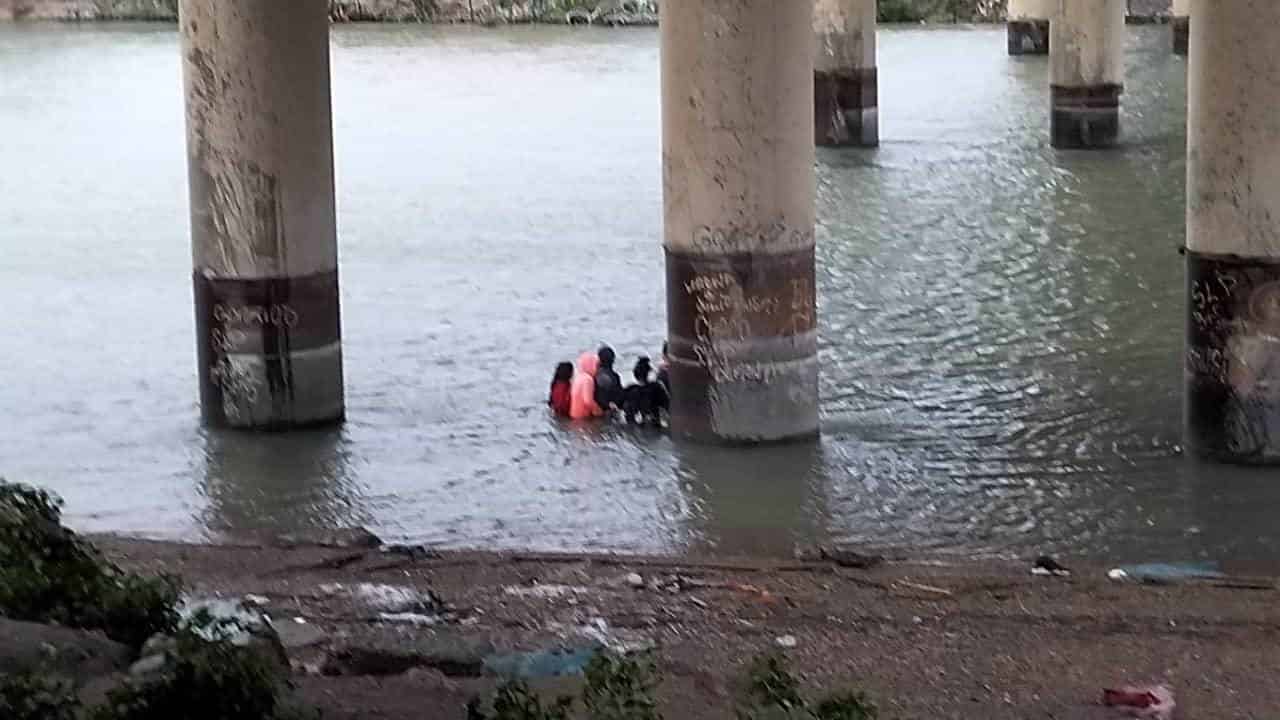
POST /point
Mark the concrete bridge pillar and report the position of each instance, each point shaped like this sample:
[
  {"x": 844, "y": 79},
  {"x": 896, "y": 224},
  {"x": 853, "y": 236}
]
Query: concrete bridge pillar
[
  {"x": 1086, "y": 73},
  {"x": 263, "y": 230},
  {"x": 844, "y": 73},
  {"x": 1028, "y": 26},
  {"x": 1180, "y": 21},
  {"x": 738, "y": 204},
  {"x": 1233, "y": 232}
]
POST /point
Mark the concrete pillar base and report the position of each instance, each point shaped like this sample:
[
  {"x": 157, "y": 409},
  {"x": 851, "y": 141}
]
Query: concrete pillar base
[
  {"x": 1085, "y": 118},
  {"x": 743, "y": 343},
  {"x": 1028, "y": 37},
  {"x": 1181, "y": 34},
  {"x": 269, "y": 351},
  {"x": 1233, "y": 341},
  {"x": 846, "y": 107}
]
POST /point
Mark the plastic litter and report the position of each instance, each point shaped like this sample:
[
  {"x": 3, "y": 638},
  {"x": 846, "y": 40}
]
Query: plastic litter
[
  {"x": 540, "y": 663},
  {"x": 787, "y": 641},
  {"x": 1165, "y": 573},
  {"x": 1152, "y": 702},
  {"x": 1047, "y": 566},
  {"x": 544, "y": 592}
]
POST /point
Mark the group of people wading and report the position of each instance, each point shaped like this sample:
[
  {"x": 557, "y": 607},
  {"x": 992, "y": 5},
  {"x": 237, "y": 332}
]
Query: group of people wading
[{"x": 593, "y": 389}]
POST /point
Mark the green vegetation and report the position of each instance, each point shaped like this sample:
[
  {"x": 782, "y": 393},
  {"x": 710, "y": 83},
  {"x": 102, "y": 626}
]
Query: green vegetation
[
  {"x": 773, "y": 693},
  {"x": 206, "y": 676},
  {"x": 916, "y": 11},
  {"x": 37, "y": 697},
  {"x": 625, "y": 688},
  {"x": 516, "y": 701},
  {"x": 616, "y": 687},
  {"x": 621, "y": 688},
  {"x": 49, "y": 574}
]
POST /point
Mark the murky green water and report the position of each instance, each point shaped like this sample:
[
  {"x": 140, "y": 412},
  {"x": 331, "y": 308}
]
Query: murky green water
[{"x": 1001, "y": 322}]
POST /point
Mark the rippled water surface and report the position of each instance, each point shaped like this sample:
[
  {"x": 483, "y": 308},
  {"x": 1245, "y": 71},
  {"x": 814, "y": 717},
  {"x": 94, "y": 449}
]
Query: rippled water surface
[{"x": 1001, "y": 321}]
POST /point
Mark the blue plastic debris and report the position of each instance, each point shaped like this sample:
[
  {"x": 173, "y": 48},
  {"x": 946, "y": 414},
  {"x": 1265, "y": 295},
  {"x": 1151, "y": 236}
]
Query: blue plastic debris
[
  {"x": 1166, "y": 573},
  {"x": 540, "y": 663}
]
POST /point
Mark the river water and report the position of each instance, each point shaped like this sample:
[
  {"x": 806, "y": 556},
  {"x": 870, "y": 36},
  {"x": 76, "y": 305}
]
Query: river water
[{"x": 1001, "y": 322}]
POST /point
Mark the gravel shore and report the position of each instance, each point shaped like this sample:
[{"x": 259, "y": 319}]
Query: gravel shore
[{"x": 396, "y": 632}]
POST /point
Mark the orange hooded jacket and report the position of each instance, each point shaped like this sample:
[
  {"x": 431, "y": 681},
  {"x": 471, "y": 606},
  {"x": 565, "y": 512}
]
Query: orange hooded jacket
[{"x": 582, "y": 394}]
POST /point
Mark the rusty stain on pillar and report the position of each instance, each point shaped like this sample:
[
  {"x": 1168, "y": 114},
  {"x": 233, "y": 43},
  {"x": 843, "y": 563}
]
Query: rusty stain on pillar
[
  {"x": 1180, "y": 22},
  {"x": 1086, "y": 73},
  {"x": 844, "y": 73},
  {"x": 1232, "y": 361},
  {"x": 263, "y": 227},
  {"x": 738, "y": 204},
  {"x": 1028, "y": 26}
]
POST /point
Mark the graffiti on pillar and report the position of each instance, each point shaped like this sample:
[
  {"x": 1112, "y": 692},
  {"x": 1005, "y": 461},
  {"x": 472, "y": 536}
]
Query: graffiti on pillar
[
  {"x": 1233, "y": 355},
  {"x": 724, "y": 316},
  {"x": 739, "y": 314},
  {"x": 250, "y": 330},
  {"x": 243, "y": 329},
  {"x": 751, "y": 238}
]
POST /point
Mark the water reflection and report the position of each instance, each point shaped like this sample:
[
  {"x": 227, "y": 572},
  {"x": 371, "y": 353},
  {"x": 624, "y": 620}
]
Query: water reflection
[
  {"x": 284, "y": 482},
  {"x": 752, "y": 501}
]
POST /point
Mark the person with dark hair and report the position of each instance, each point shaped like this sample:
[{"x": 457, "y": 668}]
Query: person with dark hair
[
  {"x": 561, "y": 384},
  {"x": 608, "y": 384},
  {"x": 643, "y": 402}
]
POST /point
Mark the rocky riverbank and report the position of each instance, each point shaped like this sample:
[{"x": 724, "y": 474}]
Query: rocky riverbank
[
  {"x": 597, "y": 12},
  {"x": 384, "y": 632}
]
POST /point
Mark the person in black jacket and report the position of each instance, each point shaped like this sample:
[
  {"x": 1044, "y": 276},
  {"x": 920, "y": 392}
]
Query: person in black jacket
[
  {"x": 643, "y": 402},
  {"x": 608, "y": 384}
]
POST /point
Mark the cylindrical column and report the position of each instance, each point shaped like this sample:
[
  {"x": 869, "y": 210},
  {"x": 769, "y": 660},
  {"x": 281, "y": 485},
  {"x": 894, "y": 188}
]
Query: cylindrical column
[
  {"x": 1233, "y": 231},
  {"x": 1180, "y": 21},
  {"x": 738, "y": 203},
  {"x": 263, "y": 228},
  {"x": 1086, "y": 73},
  {"x": 844, "y": 73},
  {"x": 1028, "y": 26}
]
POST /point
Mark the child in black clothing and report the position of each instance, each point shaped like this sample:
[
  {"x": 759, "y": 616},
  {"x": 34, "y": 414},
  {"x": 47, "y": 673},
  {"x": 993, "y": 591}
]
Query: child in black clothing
[{"x": 643, "y": 402}]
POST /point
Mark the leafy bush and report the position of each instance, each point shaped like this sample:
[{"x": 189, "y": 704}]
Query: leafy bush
[
  {"x": 206, "y": 677},
  {"x": 50, "y": 574},
  {"x": 770, "y": 684},
  {"x": 621, "y": 688},
  {"x": 37, "y": 697},
  {"x": 616, "y": 688},
  {"x": 845, "y": 706},
  {"x": 901, "y": 11},
  {"x": 515, "y": 701},
  {"x": 774, "y": 692}
]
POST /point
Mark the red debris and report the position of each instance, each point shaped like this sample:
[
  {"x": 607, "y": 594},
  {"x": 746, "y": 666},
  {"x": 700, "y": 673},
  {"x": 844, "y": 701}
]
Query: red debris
[{"x": 1153, "y": 702}]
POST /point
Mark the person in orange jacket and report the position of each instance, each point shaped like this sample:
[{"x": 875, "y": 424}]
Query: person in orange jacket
[{"x": 582, "y": 393}]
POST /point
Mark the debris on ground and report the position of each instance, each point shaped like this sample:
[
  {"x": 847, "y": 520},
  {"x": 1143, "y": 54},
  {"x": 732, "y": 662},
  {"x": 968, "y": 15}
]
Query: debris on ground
[
  {"x": 1166, "y": 573},
  {"x": 850, "y": 558},
  {"x": 1047, "y": 566},
  {"x": 341, "y": 538},
  {"x": 558, "y": 662},
  {"x": 923, "y": 588},
  {"x": 997, "y": 622},
  {"x": 412, "y": 552},
  {"x": 1152, "y": 702},
  {"x": 787, "y": 641},
  {"x": 391, "y": 603},
  {"x": 544, "y": 592}
]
